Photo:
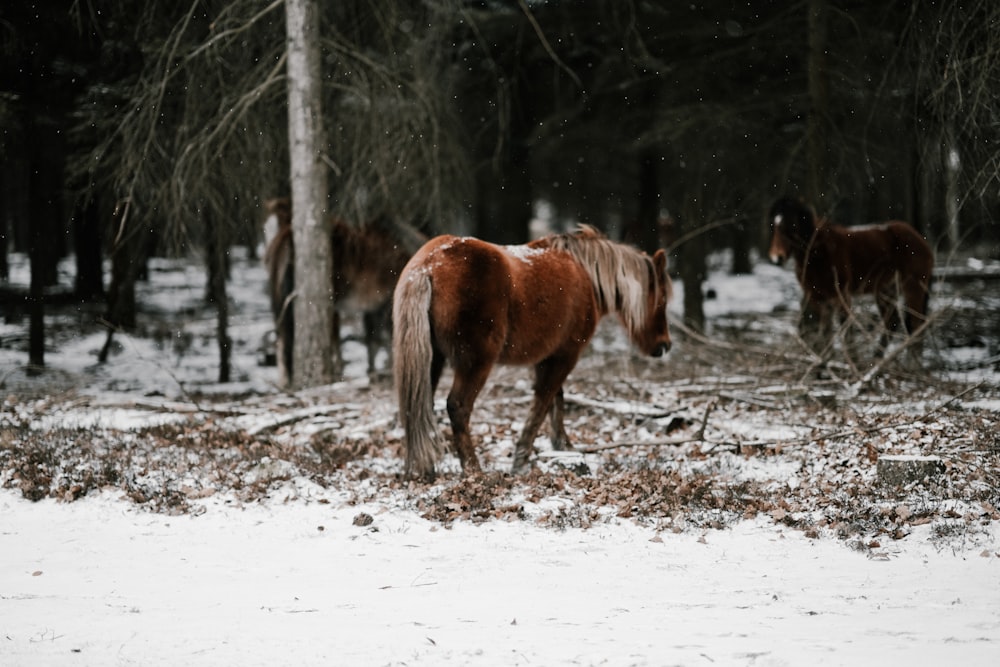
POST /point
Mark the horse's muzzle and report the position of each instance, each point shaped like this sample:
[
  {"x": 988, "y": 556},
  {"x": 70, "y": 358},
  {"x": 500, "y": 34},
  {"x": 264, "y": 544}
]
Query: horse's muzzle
[{"x": 661, "y": 349}]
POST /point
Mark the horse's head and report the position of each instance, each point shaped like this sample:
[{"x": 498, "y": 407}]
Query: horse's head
[
  {"x": 792, "y": 226},
  {"x": 652, "y": 336}
]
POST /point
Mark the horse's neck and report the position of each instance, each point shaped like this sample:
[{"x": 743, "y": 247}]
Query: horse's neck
[
  {"x": 821, "y": 246},
  {"x": 402, "y": 233},
  {"x": 365, "y": 254}
]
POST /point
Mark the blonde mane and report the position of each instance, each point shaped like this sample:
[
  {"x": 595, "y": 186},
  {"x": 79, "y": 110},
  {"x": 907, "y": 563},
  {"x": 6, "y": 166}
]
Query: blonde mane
[{"x": 620, "y": 274}]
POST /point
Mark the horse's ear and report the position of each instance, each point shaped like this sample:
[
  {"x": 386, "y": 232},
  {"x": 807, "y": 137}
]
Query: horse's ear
[{"x": 660, "y": 261}]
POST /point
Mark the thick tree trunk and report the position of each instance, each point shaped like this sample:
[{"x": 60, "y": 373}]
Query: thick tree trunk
[
  {"x": 87, "y": 244},
  {"x": 44, "y": 210},
  {"x": 313, "y": 303}
]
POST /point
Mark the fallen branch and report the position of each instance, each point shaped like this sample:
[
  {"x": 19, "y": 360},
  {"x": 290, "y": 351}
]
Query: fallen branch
[
  {"x": 306, "y": 413},
  {"x": 700, "y": 437},
  {"x": 623, "y": 406},
  {"x": 772, "y": 444}
]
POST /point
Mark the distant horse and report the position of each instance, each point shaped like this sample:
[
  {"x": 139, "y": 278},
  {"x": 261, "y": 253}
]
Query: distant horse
[
  {"x": 474, "y": 304},
  {"x": 833, "y": 263},
  {"x": 366, "y": 263}
]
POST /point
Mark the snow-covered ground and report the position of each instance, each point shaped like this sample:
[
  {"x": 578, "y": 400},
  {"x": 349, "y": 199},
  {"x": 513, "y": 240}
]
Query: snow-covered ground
[
  {"x": 352, "y": 567},
  {"x": 99, "y": 582}
]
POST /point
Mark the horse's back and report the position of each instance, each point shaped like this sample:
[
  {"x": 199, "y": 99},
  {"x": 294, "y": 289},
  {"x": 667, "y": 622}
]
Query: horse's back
[
  {"x": 914, "y": 255},
  {"x": 874, "y": 254},
  {"x": 366, "y": 265},
  {"x": 518, "y": 303}
]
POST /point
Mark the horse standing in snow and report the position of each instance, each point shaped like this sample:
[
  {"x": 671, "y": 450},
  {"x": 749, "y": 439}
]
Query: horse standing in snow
[
  {"x": 473, "y": 304},
  {"x": 366, "y": 263},
  {"x": 834, "y": 263}
]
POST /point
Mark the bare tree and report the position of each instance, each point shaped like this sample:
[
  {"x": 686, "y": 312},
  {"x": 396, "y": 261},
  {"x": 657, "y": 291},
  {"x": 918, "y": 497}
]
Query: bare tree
[{"x": 313, "y": 305}]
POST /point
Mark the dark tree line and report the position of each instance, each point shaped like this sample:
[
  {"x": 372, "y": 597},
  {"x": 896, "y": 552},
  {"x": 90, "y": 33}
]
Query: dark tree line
[{"x": 132, "y": 126}]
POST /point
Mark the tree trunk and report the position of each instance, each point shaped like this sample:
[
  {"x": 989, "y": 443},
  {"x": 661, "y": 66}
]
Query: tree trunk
[
  {"x": 952, "y": 205},
  {"x": 643, "y": 231},
  {"x": 819, "y": 105},
  {"x": 44, "y": 205},
  {"x": 126, "y": 258},
  {"x": 4, "y": 229},
  {"x": 742, "y": 242},
  {"x": 504, "y": 204},
  {"x": 313, "y": 303},
  {"x": 36, "y": 302},
  {"x": 87, "y": 245},
  {"x": 216, "y": 252},
  {"x": 693, "y": 268}
]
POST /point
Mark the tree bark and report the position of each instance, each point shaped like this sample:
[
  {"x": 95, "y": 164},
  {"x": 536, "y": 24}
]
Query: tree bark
[
  {"x": 44, "y": 208},
  {"x": 216, "y": 251},
  {"x": 693, "y": 267},
  {"x": 313, "y": 303},
  {"x": 89, "y": 283},
  {"x": 742, "y": 243},
  {"x": 643, "y": 231},
  {"x": 127, "y": 254}
]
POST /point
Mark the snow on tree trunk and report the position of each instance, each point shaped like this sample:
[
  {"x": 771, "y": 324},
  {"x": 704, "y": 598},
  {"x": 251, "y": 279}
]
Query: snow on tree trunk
[{"x": 313, "y": 303}]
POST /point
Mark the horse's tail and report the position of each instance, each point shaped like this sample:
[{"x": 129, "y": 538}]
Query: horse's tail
[{"x": 412, "y": 353}]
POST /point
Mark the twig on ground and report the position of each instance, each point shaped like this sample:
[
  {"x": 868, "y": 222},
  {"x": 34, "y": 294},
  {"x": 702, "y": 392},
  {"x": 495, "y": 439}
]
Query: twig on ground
[
  {"x": 699, "y": 437},
  {"x": 836, "y": 434}
]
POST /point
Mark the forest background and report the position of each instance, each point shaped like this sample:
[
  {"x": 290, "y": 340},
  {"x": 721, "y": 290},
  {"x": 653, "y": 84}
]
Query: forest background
[{"x": 134, "y": 129}]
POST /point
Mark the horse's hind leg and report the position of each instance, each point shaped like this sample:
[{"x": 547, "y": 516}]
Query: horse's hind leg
[
  {"x": 467, "y": 385},
  {"x": 549, "y": 377},
  {"x": 560, "y": 440}
]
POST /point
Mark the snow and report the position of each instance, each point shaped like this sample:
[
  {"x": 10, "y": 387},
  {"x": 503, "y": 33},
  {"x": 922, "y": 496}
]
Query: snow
[
  {"x": 289, "y": 578},
  {"x": 98, "y": 582},
  {"x": 523, "y": 252}
]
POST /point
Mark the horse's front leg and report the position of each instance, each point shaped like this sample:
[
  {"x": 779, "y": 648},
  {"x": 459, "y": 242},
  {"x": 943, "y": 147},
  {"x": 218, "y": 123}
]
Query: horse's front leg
[
  {"x": 811, "y": 325},
  {"x": 549, "y": 377}
]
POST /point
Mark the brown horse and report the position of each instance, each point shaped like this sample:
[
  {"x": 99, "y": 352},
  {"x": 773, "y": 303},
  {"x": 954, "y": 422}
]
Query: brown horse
[
  {"x": 833, "y": 263},
  {"x": 474, "y": 304},
  {"x": 366, "y": 263}
]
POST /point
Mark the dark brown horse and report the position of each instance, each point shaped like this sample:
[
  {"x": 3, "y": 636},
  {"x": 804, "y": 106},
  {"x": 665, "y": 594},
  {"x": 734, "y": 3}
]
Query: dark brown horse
[
  {"x": 474, "y": 304},
  {"x": 834, "y": 263},
  {"x": 366, "y": 263}
]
